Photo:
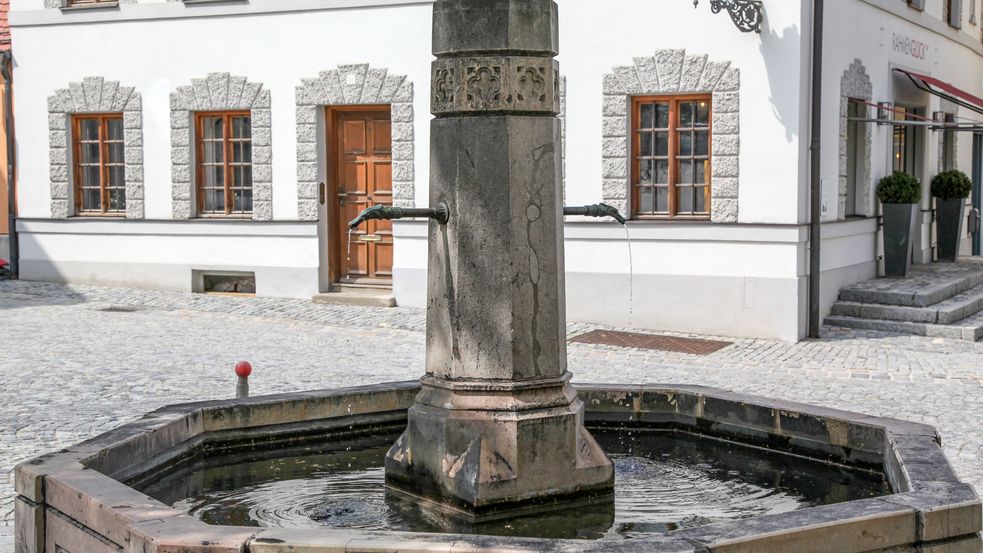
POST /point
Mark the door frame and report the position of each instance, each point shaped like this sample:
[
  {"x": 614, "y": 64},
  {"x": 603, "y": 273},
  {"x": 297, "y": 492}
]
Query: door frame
[{"x": 335, "y": 225}]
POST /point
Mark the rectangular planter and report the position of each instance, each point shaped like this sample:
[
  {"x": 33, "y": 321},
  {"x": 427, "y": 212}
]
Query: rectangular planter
[
  {"x": 899, "y": 227},
  {"x": 949, "y": 226}
]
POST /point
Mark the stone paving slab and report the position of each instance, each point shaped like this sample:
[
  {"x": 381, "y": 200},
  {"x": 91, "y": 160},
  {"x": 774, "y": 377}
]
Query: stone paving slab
[{"x": 72, "y": 369}]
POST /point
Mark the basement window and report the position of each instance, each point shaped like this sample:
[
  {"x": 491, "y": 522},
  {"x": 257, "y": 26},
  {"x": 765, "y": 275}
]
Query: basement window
[{"x": 231, "y": 283}]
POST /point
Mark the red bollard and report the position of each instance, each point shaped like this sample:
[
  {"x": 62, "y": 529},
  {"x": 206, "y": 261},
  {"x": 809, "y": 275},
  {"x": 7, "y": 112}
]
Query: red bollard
[{"x": 243, "y": 370}]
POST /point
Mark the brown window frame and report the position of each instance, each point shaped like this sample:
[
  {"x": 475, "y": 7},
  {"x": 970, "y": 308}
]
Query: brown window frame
[
  {"x": 673, "y": 156},
  {"x": 228, "y": 173},
  {"x": 104, "y": 165},
  {"x": 85, "y": 3}
]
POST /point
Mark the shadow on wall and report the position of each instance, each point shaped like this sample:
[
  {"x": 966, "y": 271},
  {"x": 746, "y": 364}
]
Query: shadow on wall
[{"x": 776, "y": 49}]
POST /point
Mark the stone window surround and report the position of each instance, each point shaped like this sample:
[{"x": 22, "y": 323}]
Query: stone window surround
[
  {"x": 94, "y": 95},
  {"x": 855, "y": 83},
  {"x": 220, "y": 92},
  {"x": 353, "y": 85},
  {"x": 669, "y": 72}
]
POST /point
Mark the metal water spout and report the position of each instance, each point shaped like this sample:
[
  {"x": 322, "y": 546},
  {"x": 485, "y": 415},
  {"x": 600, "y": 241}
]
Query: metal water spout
[
  {"x": 596, "y": 210},
  {"x": 441, "y": 214}
]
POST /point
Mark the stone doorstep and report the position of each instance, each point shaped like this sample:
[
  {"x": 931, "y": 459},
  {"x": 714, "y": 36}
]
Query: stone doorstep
[
  {"x": 946, "y": 312},
  {"x": 971, "y": 333},
  {"x": 938, "y": 287},
  {"x": 365, "y": 296}
]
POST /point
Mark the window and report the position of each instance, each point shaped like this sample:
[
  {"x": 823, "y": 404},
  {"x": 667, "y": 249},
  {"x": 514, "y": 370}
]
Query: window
[
  {"x": 917, "y": 4},
  {"x": 99, "y": 168},
  {"x": 949, "y": 145},
  {"x": 954, "y": 13},
  {"x": 224, "y": 164},
  {"x": 671, "y": 157},
  {"x": 74, "y": 3},
  {"x": 904, "y": 141}
]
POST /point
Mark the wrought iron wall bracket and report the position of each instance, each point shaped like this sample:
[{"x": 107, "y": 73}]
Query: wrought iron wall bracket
[{"x": 746, "y": 14}]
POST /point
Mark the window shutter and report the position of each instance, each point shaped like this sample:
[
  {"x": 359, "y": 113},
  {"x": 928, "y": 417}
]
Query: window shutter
[
  {"x": 956, "y": 13},
  {"x": 917, "y": 4}
]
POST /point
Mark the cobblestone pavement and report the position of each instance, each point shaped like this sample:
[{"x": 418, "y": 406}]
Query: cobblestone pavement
[{"x": 79, "y": 360}]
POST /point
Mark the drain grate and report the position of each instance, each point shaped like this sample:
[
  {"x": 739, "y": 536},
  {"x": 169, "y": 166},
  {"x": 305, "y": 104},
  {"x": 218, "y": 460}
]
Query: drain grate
[
  {"x": 694, "y": 346},
  {"x": 119, "y": 309}
]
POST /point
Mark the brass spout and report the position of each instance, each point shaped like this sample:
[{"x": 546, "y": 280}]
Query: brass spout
[
  {"x": 441, "y": 214},
  {"x": 595, "y": 210}
]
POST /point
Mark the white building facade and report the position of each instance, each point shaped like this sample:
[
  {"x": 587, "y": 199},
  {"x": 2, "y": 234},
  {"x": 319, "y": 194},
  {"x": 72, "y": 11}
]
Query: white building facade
[{"x": 161, "y": 143}]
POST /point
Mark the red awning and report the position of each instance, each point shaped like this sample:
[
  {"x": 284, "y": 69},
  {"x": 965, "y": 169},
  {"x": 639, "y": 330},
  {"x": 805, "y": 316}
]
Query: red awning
[{"x": 945, "y": 90}]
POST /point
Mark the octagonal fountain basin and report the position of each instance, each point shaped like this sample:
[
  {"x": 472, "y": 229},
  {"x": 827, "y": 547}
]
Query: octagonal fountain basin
[{"x": 696, "y": 469}]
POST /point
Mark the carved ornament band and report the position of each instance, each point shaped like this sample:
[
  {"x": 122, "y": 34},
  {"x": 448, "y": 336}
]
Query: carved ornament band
[{"x": 495, "y": 84}]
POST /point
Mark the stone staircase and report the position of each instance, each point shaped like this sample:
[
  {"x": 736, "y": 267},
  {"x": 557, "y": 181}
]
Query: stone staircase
[{"x": 939, "y": 300}]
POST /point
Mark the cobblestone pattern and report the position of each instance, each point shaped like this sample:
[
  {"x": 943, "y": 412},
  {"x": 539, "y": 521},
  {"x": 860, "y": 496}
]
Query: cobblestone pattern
[
  {"x": 349, "y": 85},
  {"x": 94, "y": 95},
  {"x": 674, "y": 72},
  {"x": 221, "y": 92},
  {"x": 72, "y": 369}
]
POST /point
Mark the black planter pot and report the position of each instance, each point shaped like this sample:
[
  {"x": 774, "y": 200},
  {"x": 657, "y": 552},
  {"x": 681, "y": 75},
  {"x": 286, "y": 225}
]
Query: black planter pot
[
  {"x": 949, "y": 227},
  {"x": 899, "y": 226}
]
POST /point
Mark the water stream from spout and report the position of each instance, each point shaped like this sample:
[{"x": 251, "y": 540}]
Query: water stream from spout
[
  {"x": 350, "y": 245},
  {"x": 631, "y": 278}
]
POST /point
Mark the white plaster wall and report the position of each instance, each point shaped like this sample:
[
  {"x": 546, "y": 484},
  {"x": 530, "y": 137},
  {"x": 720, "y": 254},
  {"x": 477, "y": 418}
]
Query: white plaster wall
[
  {"x": 156, "y": 56},
  {"x": 596, "y": 36},
  {"x": 164, "y": 254},
  {"x": 859, "y": 30}
]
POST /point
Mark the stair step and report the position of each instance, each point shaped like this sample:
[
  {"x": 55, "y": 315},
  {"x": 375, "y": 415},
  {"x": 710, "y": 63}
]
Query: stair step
[
  {"x": 970, "y": 329},
  {"x": 946, "y": 312},
  {"x": 372, "y": 296},
  {"x": 925, "y": 286}
]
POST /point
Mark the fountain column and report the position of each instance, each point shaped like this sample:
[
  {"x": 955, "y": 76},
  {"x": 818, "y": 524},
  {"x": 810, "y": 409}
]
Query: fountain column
[{"x": 497, "y": 423}]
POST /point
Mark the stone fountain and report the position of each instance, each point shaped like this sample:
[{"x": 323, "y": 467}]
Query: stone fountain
[
  {"x": 494, "y": 430},
  {"x": 497, "y": 424}
]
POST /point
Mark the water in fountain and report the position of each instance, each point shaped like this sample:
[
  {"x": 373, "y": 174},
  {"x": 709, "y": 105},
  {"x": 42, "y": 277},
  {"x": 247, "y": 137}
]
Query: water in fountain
[{"x": 665, "y": 481}]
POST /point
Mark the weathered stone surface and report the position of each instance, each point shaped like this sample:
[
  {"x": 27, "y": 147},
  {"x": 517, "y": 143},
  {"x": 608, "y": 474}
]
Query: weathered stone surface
[{"x": 529, "y": 27}]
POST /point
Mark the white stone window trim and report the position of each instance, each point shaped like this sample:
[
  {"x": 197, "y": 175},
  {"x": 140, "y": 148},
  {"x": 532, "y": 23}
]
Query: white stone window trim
[
  {"x": 353, "y": 85},
  {"x": 670, "y": 72},
  {"x": 220, "y": 92},
  {"x": 94, "y": 95},
  {"x": 855, "y": 83}
]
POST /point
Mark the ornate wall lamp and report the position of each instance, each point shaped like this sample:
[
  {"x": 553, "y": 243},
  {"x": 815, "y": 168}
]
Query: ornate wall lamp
[{"x": 746, "y": 14}]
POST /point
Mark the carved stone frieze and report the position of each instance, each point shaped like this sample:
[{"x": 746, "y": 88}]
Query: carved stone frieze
[{"x": 491, "y": 84}]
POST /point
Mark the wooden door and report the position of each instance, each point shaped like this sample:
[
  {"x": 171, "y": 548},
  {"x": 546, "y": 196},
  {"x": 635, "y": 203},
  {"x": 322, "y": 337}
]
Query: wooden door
[{"x": 363, "y": 178}]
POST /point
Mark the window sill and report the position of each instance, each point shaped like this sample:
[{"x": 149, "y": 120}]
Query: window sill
[
  {"x": 678, "y": 218},
  {"x": 103, "y": 216},
  {"x": 89, "y": 7},
  {"x": 223, "y": 218}
]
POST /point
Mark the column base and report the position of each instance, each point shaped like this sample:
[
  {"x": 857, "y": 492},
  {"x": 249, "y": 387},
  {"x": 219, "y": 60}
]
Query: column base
[{"x": 490, "y": 449}]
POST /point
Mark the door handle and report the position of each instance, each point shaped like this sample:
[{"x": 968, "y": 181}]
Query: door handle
[{"x": 321, "y": 193}]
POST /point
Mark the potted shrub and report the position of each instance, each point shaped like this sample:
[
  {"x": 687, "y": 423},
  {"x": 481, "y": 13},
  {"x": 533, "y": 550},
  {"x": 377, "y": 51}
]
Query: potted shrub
[
  {"x": 899, "y": 193},
  {"x": 950, "y": 188}
]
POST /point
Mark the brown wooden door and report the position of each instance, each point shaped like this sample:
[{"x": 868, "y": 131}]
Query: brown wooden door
[{"x": 364, "y": 179}]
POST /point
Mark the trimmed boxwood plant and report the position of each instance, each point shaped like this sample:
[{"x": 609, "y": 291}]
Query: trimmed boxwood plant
[
  {"x": 951, "y": 185},
  {"x": 950, "y": 188},
  {"x": 899, "y": 188}
]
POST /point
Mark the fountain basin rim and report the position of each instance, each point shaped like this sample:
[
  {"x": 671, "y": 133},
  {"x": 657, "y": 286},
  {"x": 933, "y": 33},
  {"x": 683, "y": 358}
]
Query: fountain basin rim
[{"x": 77, "y": 491}]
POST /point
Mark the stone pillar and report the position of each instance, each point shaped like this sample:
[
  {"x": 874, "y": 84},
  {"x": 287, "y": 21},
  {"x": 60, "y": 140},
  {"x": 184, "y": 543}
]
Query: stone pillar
[{"x": 497, "y": 422}]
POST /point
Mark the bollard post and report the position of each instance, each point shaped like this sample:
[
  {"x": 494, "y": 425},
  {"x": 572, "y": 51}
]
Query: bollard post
[{"x": 243, "y": 370}]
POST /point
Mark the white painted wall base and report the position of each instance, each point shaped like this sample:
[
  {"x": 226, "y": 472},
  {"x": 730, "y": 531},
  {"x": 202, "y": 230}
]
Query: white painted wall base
[{"x": 162, "y": 255}]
